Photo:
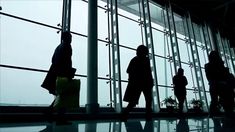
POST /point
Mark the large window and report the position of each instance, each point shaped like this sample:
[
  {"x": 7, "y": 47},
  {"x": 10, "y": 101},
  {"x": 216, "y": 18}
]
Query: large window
[{"x": 30, "y": 32}]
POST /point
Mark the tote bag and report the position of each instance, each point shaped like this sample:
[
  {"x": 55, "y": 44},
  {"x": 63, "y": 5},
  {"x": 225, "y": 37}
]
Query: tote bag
[{"x": 68, "y": 93}]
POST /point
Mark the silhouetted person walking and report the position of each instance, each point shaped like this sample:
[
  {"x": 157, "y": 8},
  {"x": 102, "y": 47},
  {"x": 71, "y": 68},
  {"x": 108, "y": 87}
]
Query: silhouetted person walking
[
  {"x": 61, "y": 66},
  {"x": 180, "y": 82},
  {"x": 140, "y": 80},
  {"x": 215, "y": 73},
  {"x": 227, "y": 94}
]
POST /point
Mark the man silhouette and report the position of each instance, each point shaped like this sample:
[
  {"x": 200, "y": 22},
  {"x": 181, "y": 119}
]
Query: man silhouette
[
  {"x": 216, "y": 76},
  {"x": 140, "y": 80},
  {"x": 180, "y": 82}
]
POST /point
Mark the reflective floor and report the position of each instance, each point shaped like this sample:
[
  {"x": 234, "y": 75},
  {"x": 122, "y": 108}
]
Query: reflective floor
[{"x": 132, "y": 125}]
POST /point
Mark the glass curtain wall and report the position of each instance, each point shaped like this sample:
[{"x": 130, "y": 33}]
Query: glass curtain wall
[
  {"x": 225, "y": 51},
  {"x": 27, "y": 41},
  {"x": 29, "y": 34}
]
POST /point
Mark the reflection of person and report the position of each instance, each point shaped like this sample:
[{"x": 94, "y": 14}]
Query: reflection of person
[
  {"x": 215, "y": 73},
  {"x": 61, "y": 65},
  {"x": 217, "y": 124},
  {"x": 180, "y": 82},
  {"x": 224, "y": 124},
  {"x": 182, "y": 126},
  {"x": 148, "y": 127},
  {"x": 140, "y": 80},
  {"x": 135, "y": 126},
  {"x": 228, "y": 124}
]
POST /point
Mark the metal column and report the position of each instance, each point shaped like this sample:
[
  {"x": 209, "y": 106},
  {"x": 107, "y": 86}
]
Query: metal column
[
  {"x": 149, "y": 44},
  {"x": 205, "y": 126},
  {"x": 233, "y": 58},
  {"x": 66, "y": 15},
  {"x": 196, "y": 62},
  {"x": 115, "y": 56},
  {"x": 229, "y": 55},
  {"x": 91, "y": 127},
  {"x": 92, "y": 105},
  {"x": 221, "y": 49},
  {"x": 156, "y": 125},
  {"x": 173, "y": 39},
  {"x": 117, "y": 127},
  {"x": 207, "y": 39},
  {"x": 212, "y": 38}
]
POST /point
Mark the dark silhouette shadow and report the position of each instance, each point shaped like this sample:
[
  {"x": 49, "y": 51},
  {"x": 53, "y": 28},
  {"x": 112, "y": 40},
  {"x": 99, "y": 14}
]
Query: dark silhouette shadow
[
  {"x": 148, "y": 127},
  {"x": 182, "y": 125},
  {"x": 180, "y": 82},
  {"x": 135, "y": 126},
  {"x": 225, "y": 124},
  {"x": 140, "y": 80},
  {"x": 215, "y": 73},
  {"x": 222, "y": 84},
  {"x": 61, "y": 67},
  {"x": 217, "y": 124},
  {"x": 227, "y": 95}
]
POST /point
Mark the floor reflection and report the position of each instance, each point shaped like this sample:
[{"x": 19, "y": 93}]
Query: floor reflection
[{"x": 132, "y": 125}]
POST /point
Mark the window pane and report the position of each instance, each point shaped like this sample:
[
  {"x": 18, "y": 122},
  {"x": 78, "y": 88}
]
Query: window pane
[
  {"x": 29, "y": 46},
  {"x": 35, "y": 10},
  {"x": 129, "y": 33},
  {"x": 21, "y": 87}
]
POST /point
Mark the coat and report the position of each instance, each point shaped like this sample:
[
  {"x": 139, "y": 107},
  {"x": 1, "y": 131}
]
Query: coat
[
  {"x": 61, "y": 66},
  {"x": 140, "y": 79},
  {"x": 180, "y": 83}
]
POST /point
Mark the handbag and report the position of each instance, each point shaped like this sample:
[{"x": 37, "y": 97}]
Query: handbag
[{"x": 68, "y": 93}]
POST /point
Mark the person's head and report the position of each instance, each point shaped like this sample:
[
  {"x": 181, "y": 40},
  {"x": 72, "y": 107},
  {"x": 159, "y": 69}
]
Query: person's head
[
  {"x": 66, "y": 37},
  {"x": 180, "y": 71},
  {"x": 215, "y": 57},
  {"x": 142, "y": 51}
]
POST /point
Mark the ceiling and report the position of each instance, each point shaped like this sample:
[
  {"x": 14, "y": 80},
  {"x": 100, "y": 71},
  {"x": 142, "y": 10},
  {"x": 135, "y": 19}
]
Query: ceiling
[{"x": 219, "y": 13}]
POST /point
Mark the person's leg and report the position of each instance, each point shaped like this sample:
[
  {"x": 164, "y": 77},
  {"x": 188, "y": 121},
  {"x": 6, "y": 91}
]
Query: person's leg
[
  {"x": 129, "y": 107},
  {"x": 127, "y": 110},
  {"x": 227, "y": 101},
  {"x": 61, "y": 118},
  {"x": 180, "y": 99},
  {"x": 148, "y": 105},
  {"x": 181, "y": 106},
  {"x": 48, "y": 112},
  {"x": 214, "y": 101}
]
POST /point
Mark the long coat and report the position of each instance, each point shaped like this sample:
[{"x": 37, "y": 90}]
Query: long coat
[
  {"x": 61, "y": 66},
  {"x": 140, "y": 79},
  {"x": 180, "y": 83}
]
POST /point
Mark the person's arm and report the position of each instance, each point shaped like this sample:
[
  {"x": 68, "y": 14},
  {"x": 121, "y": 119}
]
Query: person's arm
[
  {"x": 207, "y": 71},
  {"x": 130, "y": 67},
  {"x": 186, "y": 81},
  {"x": 173, "y": 80}
]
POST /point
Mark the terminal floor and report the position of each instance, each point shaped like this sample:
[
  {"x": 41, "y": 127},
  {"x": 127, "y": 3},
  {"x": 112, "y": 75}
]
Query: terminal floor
[{"x": 169, "y": 124}]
